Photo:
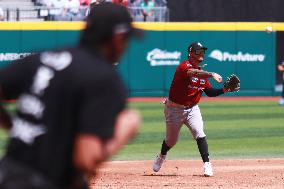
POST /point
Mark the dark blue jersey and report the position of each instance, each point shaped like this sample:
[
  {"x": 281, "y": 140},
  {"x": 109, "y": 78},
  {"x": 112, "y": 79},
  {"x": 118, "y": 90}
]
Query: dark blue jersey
[{"x": 60, "y": 94}]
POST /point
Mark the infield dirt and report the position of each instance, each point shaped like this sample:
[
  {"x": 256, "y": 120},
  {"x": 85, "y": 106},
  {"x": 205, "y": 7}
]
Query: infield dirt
[{"x": 176, "y": 174}]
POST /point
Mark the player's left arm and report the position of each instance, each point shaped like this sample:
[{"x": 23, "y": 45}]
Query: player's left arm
[{"x": 213, "y": 92}]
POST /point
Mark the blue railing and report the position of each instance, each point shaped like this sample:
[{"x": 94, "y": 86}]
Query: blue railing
[{"x": 40, "y": 13}]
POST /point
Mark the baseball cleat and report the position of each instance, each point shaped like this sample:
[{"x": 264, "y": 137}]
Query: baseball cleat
[
  {"x": 208, "y": 172},
  {"x": 158, "y": 162}
]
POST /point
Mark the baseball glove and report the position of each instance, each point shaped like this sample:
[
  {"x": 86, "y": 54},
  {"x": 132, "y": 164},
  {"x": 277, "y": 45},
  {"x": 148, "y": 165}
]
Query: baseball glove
[{"x": 232, "y": 83}]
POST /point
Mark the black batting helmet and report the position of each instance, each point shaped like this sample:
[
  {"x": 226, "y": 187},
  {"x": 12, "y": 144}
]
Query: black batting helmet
[{"x": 195, "y": 47}]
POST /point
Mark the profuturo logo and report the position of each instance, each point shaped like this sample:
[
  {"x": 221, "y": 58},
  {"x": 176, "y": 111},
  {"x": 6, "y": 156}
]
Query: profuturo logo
[
  {"x": 158, "y": 57},
  {"x": 239, "y": 57}
]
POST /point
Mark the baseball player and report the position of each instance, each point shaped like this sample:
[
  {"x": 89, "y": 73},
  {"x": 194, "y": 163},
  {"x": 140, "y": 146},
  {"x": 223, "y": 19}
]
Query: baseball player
[
  {"x": 181, "y": 107},
  {"x": 281, "y": 69}
]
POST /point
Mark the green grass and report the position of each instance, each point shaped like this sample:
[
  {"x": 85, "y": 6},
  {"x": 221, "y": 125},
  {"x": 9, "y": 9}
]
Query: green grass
[{"x": 237, "y": 129}]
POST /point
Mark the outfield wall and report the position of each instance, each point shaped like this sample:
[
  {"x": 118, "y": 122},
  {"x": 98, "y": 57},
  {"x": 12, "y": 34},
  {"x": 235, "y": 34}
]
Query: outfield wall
[{"x": 148, "y": 66}]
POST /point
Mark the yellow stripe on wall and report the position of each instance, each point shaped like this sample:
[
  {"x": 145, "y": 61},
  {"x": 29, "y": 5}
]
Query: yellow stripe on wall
[
  {"x": 155, "y": 26},
  {"x": 42, "y": 25},
  {"x": 210, "y": 26}
]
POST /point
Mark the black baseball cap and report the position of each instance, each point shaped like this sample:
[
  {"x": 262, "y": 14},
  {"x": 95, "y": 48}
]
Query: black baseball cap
[
  {"x": 196, "y": 46},
  {"x": 107, "y": 19}
]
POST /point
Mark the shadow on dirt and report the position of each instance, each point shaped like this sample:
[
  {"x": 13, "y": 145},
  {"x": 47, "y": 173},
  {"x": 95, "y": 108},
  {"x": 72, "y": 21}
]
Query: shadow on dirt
[
  {"x": 160, "y": 175},
  {"x": 198, "y": 175}
]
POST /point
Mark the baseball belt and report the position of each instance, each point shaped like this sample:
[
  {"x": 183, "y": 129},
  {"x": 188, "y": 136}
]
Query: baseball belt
[{"x": 176, "y": 105}]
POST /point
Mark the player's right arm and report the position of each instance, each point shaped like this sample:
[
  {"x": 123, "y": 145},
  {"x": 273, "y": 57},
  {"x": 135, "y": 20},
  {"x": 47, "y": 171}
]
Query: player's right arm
[{"x": 204, "y": 74}]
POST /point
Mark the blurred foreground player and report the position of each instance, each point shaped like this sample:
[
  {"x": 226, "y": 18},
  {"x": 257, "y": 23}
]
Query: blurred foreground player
[{"x": 71, "y": 112}]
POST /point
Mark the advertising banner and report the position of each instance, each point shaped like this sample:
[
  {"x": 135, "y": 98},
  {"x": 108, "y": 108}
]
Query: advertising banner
[
  {"x": 148, "y": 66},
  {"x": 153, "y": 61}
]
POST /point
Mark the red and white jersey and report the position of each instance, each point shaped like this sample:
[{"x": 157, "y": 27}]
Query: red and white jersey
[{"x": 187, "y": 90}]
